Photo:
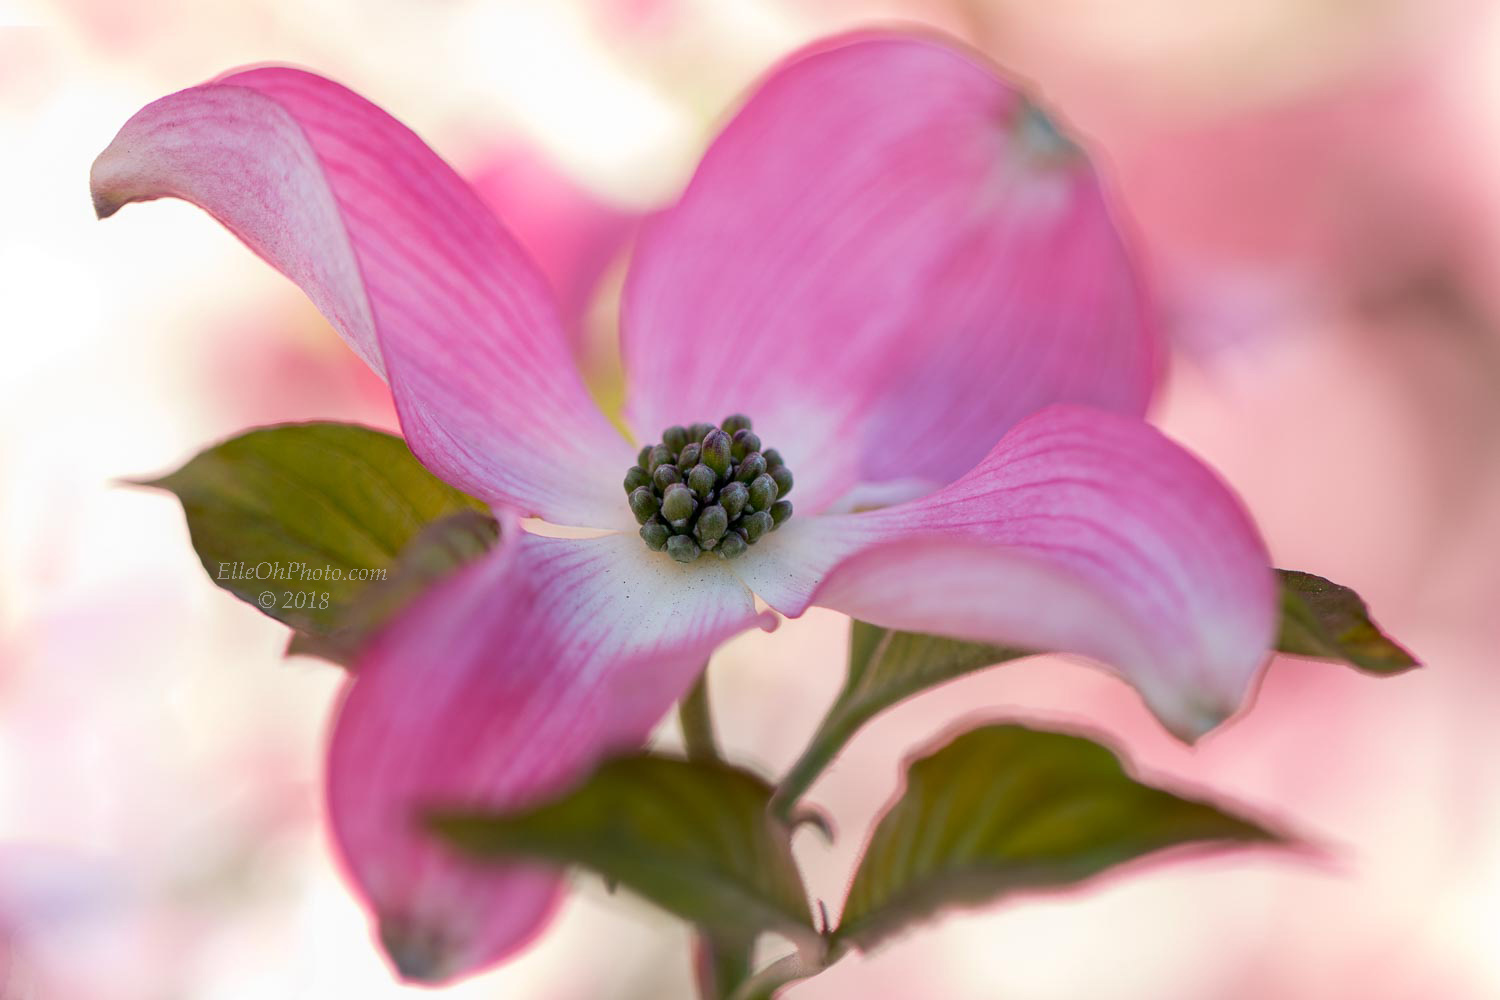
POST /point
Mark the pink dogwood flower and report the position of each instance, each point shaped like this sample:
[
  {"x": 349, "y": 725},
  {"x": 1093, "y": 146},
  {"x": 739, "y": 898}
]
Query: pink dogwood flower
[{"x": 891, "y": 263}]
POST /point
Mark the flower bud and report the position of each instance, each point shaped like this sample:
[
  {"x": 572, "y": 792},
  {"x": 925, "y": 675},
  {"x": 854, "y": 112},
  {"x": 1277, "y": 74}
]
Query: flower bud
[
  {"x": 683, "y": 549},
  {"x": 664, "y": 476},
  {"x": 711, "y": 526},
  {"x": 643, "y": 503},
  {"x": 701, "y": 480},
  {"x": 750, "y": 466},
  {"x": 675, "y": 437},
  {"x": 756, "y": 525},
  {"x": 762, "y": 492},
  {"x": 744, "y": 442},
  {"x": 660, "y": 455},
  {"x": 734, "y": 498},
  {"x": 677, "y": 503},
  {"x": 656, "y": 535},
  {"x": 773, "y": 458},
  {"x": 783, "y": 477},
  {"x": 644, "y": 459},
  {"x": 732, "y": 546},
  {"x": 697, "y": 432},
  {"x": 735, "y": 422},
  {"x": 716, "y": 451},
  {"x": 780, "y": 511},
  {"x": 636, "y": 478},
  {"x": 690, "y": 455}
]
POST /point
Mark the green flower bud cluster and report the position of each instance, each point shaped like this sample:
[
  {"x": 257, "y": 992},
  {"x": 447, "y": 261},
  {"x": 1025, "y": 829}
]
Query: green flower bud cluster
[{"x": 708, "y": 489}]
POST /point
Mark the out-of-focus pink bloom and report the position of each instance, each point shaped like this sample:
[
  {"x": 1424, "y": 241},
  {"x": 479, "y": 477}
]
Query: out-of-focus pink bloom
[
  {"x": 571, "y": 235},
  {"x": 892, "y": 262},
  {"x": 275, "y": 367},
  {"x": 57, "y": 905},
  {"x": 1262, "y": 220},
  {"x": 637, "y": 17}
]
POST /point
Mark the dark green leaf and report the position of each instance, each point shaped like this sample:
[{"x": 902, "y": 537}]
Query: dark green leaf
[
  {"x": 1323, "y": 619},
  {"x": 437, "y": 550},
  {"x": 692, "y": 836},
  {"x": 315, "y": 509},
  {"x": 1003, "y": 808},
  {"x": 885, "y": 668}
]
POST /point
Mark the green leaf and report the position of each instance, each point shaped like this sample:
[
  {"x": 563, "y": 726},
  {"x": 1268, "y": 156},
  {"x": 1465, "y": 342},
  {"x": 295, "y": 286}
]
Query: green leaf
[
  {"x": 318, "y": 509},
  {"x": 885, "y": 668},
  {"x": 1323, "y": 619},
  {"x": 439, "y": 549},
  {"x": 692, "y": 836},
  {"x": 1005, "y": 807}
]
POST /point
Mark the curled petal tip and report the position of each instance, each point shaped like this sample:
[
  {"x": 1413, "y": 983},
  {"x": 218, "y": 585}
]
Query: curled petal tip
[
  {"x": 419, "y": 954},
  {"x": 1040, "y": 139},
  {"x": 1191, "y": 718},
  {"x": 104, "y": 206},
  {"x": 106, "y": 201}
]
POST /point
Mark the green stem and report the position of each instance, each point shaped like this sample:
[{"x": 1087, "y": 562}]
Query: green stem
[
  {"x": 809, "y": 768},
  {"x": 721, "y": 969},
  {"x": 839, "y": 726},
  {"x": 764, "y": 984},
  {"x": 697, "y": 721}
]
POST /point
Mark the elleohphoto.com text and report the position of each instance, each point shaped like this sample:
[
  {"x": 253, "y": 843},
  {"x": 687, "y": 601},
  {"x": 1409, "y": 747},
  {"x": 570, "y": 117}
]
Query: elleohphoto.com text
[{"x": 295, "y": 571}]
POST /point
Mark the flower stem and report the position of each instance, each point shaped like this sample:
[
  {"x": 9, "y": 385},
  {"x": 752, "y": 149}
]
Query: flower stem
[
  {"x": 697, "y": 721},
  {"x": 721, "y": 968}
]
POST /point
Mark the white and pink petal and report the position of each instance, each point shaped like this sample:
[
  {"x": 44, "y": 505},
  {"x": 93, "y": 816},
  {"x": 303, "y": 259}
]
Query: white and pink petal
[
  {"x": 1083, "y": 532},
  {"x": 499, "y": 687},
  {"x": 404, "y": 260},
  {"x": 887, "y": 258}
]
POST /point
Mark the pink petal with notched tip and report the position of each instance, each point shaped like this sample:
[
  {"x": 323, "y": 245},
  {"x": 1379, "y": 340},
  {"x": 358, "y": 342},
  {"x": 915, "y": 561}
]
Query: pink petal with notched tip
[
  {"x": 886, "y": 259},
  {"x": 407, "y": 264},
  {"x": 1082, "y": 531},
  {"x": 499, "y": 687}
]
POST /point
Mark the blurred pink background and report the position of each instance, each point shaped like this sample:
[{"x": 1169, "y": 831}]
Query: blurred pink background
[{"x": 1311, "y": 182}]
